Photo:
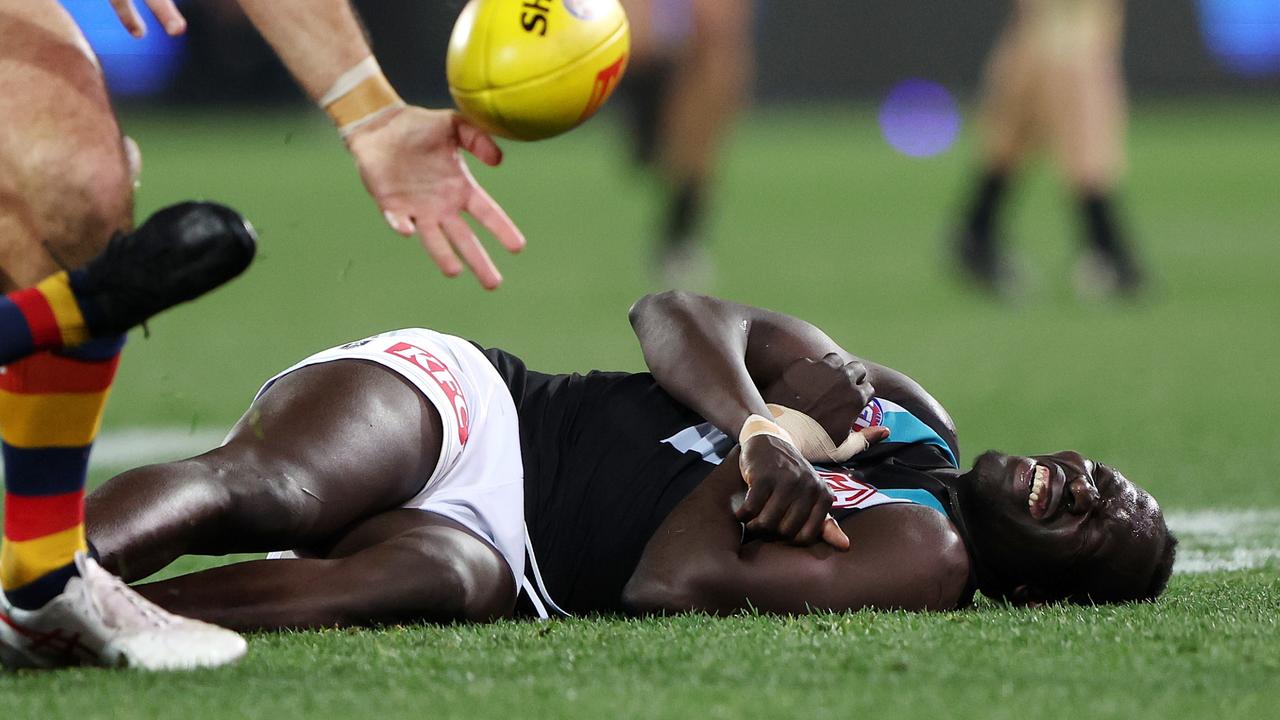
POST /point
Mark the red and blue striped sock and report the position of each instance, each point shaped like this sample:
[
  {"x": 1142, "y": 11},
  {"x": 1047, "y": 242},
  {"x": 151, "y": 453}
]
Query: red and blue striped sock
[{"x": 50, "y": 410}]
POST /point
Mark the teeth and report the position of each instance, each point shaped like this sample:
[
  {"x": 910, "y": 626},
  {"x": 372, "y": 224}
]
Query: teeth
[{"x": 1040, "y": 480}]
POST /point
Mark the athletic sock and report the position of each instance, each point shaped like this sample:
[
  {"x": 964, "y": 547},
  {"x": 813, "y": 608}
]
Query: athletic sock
[
  {"x": 685, "y": 213},
  {"x": 980, "y": 225},
  {"x": 50, "y": 410},
  {"x": 1105, "y": 238},
  {"x": 49, "y": 316}
]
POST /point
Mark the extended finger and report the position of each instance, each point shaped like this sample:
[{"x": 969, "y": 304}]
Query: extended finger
[
  {"x": 811, "y": 533},
  {"x": 833, "y": 534},
  {"x": 874, "y": 434},
  {"x": 478, "y": 143},
  {"x": 129, "y": 17},
  {"x": 464, "y": 240},
  {"x": 491, "y": 215},
  {"x": 437, "y": 246},
  {"x": 169, "y": 16}
]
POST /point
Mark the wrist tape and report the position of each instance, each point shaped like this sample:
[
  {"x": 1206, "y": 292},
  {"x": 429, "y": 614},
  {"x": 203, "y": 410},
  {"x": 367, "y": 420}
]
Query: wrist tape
[
  {"x": 813, "y": 442},
  {"x": 359, "y": 96},
  {"x": 760, "y": 425}
]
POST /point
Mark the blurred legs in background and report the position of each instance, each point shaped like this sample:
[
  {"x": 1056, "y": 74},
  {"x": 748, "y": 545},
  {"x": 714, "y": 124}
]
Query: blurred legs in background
[
  {"x": 1054, "y": 81},
  {"x": 691, "y": 70}
]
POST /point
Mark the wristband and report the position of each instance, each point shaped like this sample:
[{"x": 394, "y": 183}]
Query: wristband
[{"x": 359, "y": 96}]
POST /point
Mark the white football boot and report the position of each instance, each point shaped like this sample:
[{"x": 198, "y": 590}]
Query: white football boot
[{"x": 98, "y": 620}]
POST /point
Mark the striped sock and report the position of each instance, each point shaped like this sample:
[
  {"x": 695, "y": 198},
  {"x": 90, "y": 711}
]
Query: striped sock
[
  {"x": 50, "y": 410},
  {"x": 48, "y": 316}
]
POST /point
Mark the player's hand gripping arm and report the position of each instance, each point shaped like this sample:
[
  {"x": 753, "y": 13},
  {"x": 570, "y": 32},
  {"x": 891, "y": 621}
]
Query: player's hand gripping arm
[
  {"x": 408, "y": 157},
  {"x": 713, "y": 355},
  {"x": 905, "y": 557}
]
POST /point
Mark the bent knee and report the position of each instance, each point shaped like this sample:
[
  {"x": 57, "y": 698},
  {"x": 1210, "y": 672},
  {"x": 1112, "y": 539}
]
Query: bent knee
[
  {"x": 258, "y": 498},
  {"x": 441, "y": 579}
]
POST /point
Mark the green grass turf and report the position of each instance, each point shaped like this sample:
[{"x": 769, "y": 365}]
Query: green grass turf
[{"x": 816, "y": 216}]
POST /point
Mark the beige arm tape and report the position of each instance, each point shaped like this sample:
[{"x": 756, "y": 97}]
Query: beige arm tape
[
  {"x": 760, "y": 425},
  {"x": 813, "y": 442},
  {"x": 360, "y": 96}
]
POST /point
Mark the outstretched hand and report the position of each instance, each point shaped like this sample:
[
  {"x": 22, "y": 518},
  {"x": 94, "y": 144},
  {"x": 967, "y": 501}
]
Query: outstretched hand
[
  {"x": 165, "y": 11},
  {"x": 412, "y": 165}
]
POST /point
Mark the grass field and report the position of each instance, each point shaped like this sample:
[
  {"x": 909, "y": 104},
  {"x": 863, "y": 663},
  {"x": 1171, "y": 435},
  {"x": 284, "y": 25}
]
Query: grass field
[{"x": 819, "y": 218}]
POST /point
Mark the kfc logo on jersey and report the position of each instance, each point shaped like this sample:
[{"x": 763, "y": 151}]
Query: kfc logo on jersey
[
  {"x": 443, "y": 377},
  {"x": 848, "y": 492},
  {"x": 871, "y": 416}
]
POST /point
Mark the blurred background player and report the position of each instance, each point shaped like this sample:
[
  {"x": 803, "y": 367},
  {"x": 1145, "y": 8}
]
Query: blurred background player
[
  {"x": 691, "y": 69},
  {"x": 66, "y": 188},
  {"x": 1055, "y": 81}
]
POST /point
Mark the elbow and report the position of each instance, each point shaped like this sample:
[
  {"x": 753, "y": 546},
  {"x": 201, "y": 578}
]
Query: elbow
[
  {"x": 661, "y": 304},
  {"x": 649, "y": 593}
]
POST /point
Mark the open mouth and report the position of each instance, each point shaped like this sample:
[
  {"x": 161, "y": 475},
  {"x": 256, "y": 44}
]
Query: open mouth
[{"x": 1038, "y": 498}]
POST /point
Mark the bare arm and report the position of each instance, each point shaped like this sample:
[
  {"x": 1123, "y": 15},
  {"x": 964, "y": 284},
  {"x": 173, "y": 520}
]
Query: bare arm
[
  {"x": 903, "y": 557},
  {"x": 713, "y": 355},
  {"x": 317, "y": 40}
]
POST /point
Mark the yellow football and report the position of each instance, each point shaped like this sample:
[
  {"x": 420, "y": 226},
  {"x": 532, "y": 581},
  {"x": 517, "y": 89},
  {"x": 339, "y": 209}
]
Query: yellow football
[{"x": 532, "y": 69}]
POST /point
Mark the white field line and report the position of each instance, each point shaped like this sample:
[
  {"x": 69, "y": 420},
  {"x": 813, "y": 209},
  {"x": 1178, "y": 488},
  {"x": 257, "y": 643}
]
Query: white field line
[{"x": 1210, "y": 540}]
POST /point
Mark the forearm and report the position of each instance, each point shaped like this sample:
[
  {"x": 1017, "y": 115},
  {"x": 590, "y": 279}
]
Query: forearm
[
  {"x": 318, "y": 40},
  {"x": 694, "y": 543},
  {"x": 696, "y": 348}
]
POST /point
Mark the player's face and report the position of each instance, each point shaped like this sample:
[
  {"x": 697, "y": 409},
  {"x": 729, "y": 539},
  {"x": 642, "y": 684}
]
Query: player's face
[{"x": 1061, "y": 526}]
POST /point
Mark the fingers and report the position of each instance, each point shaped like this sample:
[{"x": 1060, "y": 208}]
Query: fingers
[
  {"x": 491, "y": 215},
  {"x": 833, "y": 534},
  {"x": 464, "y": 240},
  {"x": 401, "y": 223},
  {"x": 874, "y": 434},
  {"x": 437, "y": 246},
  {"x": 129, "y": 17},
  {"x": 169, "y": 16},
  {"x": 478, "y": 143},
  {"x": 770, "y": 518}
]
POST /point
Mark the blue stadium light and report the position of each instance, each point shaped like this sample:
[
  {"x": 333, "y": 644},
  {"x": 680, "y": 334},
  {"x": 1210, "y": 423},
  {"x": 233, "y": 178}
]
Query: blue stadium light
[
  {"x": 132, "y": 67},
  {"x": 1244, "y": 35},
  {"x": 919, "y": 118}
]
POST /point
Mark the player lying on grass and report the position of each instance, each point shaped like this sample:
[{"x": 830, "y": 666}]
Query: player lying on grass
[{"x": 405, "y": 468}]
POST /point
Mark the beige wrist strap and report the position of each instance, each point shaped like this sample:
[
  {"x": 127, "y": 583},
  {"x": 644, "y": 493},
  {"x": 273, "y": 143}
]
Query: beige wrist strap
[
  {"x": 813, "y": 442},
  {"x": 360, "y": 96},
  {"x": 760, "y": 425}
]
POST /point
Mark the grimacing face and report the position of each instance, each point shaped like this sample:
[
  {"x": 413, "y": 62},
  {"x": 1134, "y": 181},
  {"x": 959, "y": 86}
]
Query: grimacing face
[{"x": 1061, "y": 527}]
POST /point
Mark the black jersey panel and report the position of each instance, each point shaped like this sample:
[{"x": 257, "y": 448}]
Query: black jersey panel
[{"x": 599, "y": 479}]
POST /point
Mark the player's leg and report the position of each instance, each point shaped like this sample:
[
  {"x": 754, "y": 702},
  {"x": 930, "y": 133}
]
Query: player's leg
[
  {"x": 1008, "y": 109},
  {"x": 400, "y": 566},
  {"x": 708, "y": 89},
  {"x": 64, "y": 190},
  {"x": 1086, "y": 111},
  {"x": 324, "y": 447}
]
